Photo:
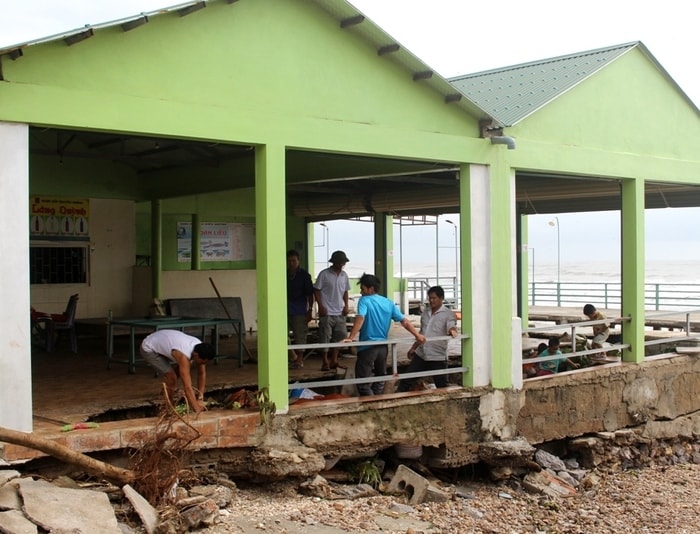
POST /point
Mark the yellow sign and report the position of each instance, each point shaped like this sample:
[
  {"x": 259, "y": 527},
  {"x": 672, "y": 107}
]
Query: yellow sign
[{"x": 59, "y": 217}]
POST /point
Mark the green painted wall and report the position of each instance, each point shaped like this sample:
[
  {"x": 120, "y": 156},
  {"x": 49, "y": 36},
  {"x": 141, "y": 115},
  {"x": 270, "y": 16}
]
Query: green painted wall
[
  {"x": 267, "y": 84},
  {"x": 626, "y": 121}
]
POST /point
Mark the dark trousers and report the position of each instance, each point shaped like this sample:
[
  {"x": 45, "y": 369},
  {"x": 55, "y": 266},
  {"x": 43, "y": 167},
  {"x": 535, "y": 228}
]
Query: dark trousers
[
  {"x": 417, "y": 365},
  {"x": 371, "y": 362}
]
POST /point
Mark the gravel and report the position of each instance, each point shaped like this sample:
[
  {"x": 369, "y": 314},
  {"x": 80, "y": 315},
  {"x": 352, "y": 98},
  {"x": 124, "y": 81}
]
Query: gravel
[{"x": 650, "y": 500}]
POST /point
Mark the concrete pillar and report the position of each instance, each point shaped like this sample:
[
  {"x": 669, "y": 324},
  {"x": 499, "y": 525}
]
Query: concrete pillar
[
  {"x": 383, "y": 253},
  {"x": 15, "y": 329},
  {"x": 271, "y": 268},
  {"x": 156, "y": 248},
  {"x": 633, "y": 268}
]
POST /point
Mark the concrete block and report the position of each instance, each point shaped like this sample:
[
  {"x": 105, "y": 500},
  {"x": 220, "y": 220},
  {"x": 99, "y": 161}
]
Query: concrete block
[{"x": 408, "y": 481}]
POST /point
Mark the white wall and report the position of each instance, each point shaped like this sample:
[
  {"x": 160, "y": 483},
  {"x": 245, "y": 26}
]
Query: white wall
[{"x": 112, "y": 257}]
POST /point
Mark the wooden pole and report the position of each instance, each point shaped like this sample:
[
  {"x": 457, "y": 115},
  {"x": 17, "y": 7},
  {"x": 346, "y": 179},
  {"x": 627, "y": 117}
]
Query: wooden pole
[{"x": 235, "y": 326}]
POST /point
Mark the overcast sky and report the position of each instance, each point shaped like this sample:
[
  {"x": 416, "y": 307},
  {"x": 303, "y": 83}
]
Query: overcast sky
[{"x": 460, "y": 36}]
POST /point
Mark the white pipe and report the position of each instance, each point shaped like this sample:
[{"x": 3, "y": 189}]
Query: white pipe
[{"x": 503, "y": 140}]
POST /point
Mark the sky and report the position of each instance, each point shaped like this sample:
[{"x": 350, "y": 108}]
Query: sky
[{"x": 458, "y": 37}]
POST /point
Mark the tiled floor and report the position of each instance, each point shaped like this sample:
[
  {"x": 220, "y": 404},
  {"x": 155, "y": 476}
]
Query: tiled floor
[{"x": 71, "y": 387}]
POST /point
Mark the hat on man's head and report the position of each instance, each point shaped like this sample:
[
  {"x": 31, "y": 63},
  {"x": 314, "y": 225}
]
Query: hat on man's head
[{"x": 339, "y": 257}]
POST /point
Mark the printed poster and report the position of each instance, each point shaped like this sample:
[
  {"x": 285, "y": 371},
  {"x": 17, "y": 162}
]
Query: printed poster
[{"x": 219, "y": 242}]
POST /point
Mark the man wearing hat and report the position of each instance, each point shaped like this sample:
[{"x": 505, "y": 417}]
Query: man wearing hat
[{"x": 331, "y": 292}]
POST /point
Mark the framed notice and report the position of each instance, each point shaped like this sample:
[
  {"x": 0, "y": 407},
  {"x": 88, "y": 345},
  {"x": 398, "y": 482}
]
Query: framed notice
[{"x": 218, "y": 242}]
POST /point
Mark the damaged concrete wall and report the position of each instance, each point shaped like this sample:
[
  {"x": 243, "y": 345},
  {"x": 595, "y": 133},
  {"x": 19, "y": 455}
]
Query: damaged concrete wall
[{"x": 654, "y": 393}]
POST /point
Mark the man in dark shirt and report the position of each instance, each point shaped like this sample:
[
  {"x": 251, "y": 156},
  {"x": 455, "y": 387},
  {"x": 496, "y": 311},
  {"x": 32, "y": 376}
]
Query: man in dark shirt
[{"x": 300, "y": 301}]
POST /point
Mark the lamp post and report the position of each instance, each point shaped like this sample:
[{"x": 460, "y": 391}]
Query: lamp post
[
  {"x": 437, "y": 250},
  {"x": 456, "y": 262},
  {"x": 326, "y": 241},
  {"x": 529, "y": 248},
  {"x": 555, "y": 222}
]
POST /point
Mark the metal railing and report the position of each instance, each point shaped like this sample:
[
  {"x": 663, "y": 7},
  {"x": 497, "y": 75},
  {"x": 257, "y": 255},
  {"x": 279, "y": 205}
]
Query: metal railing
[
  {"x": 609, "y": 294},
  {"x": 572, "y": 327},
  {"x": 657, "y": 296},
  {"x": 687, "y": 328},
  {"x": 393, "y": 351},
  {"x": 417, "y": 289}
]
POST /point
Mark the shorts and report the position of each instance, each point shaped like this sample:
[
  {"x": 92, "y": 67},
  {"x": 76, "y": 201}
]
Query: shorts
[
  {"x": 600, "y": 338},
  {"x": 159, "y": 362},
  {"x": 299, "y": 327},
  {"x": 332, "y": 329}
]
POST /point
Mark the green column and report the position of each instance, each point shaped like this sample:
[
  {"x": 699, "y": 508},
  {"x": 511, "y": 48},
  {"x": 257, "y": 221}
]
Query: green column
[
  {"x": 465, "y": 272},
  {"x": 383, "y": 253},
  {"x": 633, "y": 268},
  {"x": 196, "y": 258},
  {"x": 156, "y": 248},
  {"x": 502, "y": 290},
  {"x": 270, "y": 240}
]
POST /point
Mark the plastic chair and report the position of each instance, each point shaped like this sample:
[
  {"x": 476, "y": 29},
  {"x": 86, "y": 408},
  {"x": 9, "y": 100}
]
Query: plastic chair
[{"x": 53, "y": 324}]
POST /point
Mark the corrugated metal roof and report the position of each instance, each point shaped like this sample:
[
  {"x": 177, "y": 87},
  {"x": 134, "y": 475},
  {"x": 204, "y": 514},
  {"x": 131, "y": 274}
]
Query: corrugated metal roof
[
  {"x": 510, "y": 94},
  {"x": 349, "y": 19}
]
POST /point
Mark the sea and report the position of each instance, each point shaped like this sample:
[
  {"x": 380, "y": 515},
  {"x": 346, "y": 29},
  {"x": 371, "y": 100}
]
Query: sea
[
  {"x": 657, "y": 272},
  {"x": 669, "y": 285}
]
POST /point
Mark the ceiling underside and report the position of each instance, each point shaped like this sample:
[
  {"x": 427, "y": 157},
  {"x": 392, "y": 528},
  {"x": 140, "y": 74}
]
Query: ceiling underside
[{"x": 322, "y": 186}]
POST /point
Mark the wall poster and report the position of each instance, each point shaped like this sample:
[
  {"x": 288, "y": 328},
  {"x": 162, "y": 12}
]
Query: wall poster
[
  {"x": 59, "y": 218},
  {"x": 219, "y": 242}
]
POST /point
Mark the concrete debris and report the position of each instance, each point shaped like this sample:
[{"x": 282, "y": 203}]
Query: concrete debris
[
  {"x": 276, "y": 464},
  {"x": 219, "y": 494},
  {"x": 514, "y": 452},
  {"x": 549, "y": 461},
  {"x": 8, "y": 474},
  {"x": 322, "y": 488},
  {"x": 14, "y": 522},
  {"x": 416, "y": 486},
  {"x": 59, "y": 509},
  {"x": 548, "y": 484},
  {"x": 202, "y": 515},
  {"x": 9, "y": 497},
  {"x": 147, "y": 513}
]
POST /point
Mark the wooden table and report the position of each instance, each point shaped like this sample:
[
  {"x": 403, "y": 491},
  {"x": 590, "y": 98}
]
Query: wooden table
[{"x": 162, "y": 323}]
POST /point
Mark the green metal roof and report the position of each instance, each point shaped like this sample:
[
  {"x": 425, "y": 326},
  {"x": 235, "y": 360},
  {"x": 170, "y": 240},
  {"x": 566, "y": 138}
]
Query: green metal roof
[{"x": 510, "y": 94}]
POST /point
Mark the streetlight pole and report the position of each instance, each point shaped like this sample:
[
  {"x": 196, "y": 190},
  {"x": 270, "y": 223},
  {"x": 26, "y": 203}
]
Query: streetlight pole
[
  {"x": 326, "y": 242},
  {"x": 555, "y": 222},
  {"x": 529, "y": 248},
  {"x": 457, "y": 292},
  {"x": 437, "y": 250}
]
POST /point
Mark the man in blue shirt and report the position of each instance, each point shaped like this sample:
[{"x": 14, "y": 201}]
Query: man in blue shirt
[{"x": 373, "y": 320}]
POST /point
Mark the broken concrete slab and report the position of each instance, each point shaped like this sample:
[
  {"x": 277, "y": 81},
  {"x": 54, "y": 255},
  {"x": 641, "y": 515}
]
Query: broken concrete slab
[
  {"x": 548, "y": 484},
  {"x": 204, "y": 513},
  {"x": 8, "y": 474},
  {"x": 9, "y": 497},
  {"x": 149, "y": 515},
  {"x": 14, "y": 522},
  {"x": 70, "y": 510}
]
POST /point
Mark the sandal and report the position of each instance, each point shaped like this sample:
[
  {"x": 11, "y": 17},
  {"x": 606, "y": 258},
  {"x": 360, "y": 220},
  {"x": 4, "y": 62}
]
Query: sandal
[
  {"x": 338, "y": 366},
  {"x": 296, "y": 365},
  {"x": 325, "y": 368}
]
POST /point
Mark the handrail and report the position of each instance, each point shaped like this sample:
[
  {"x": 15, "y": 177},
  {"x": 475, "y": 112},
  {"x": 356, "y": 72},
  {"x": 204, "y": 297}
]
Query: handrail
[
  {"x": 395, "y": 375},
  {"x": 574, "y": 353},
  {"x": 609, "y": 294}
]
